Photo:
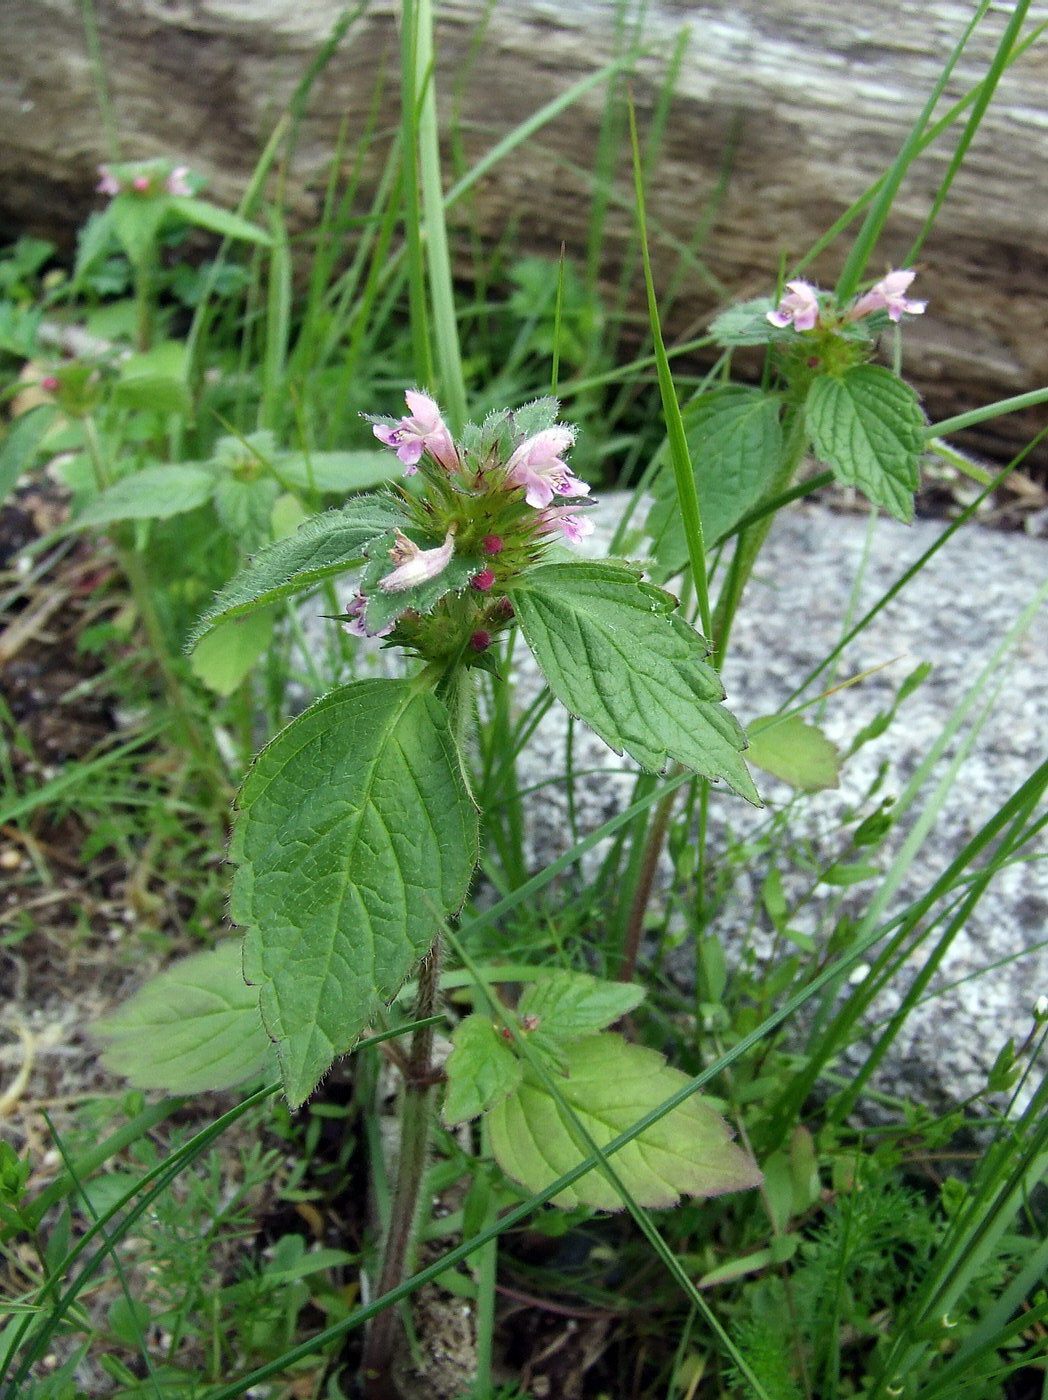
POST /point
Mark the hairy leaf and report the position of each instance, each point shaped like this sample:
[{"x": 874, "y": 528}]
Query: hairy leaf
[
  {"x": 383, "y": 608},
  {"x": 324, "y": 546},
  {"x": 355, "y": 835},
  {"x": 481, "y": 1070},
  {"x": 204, "y": 214},
  {"x": 609, "y": 1085},
  {"x": 615, "y": 654},
  {"x": 795, "y": 751},
  {"x": 193, "y": 1028},
  {"x": 869, "y": 427}
]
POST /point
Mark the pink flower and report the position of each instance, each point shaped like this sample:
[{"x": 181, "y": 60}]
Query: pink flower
[
  {"x": 424, "y": 431},
  {"x": 888, "y": 295},
  {"x": 108, "y": 184},
  {"x": 356, "y": 626},
  {"x": 177, "y": 182},
  {"x": 800, "y": 307},
  {"x": 573, "y": 527},
  {"x": 141, "y": 184},
  {"x": 537, "y": 466},
  {"x": 416, "y": 565}
]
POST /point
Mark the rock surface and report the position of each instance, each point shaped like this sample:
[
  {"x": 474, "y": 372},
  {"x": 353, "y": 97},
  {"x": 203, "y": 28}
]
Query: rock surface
[{"x": 954, "y": 614}]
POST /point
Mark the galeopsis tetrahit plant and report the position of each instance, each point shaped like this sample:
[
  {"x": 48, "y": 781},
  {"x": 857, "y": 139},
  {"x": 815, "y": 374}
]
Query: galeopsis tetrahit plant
[{"x": 356, "y": 830}]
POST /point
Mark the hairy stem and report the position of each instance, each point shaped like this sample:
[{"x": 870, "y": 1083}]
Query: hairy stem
[{"x": 415, "y": 1118}]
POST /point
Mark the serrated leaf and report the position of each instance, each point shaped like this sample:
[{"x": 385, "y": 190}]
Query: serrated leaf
[
  {"x": 610, "y": 1084},
  {"x": 204, "y": 214},
  {"x": 341, "y": 472},
  {"x": 245, "y": 509},
  {"x": 735, "y": 442},
  {"x": 154, "y": 493},
  {"x": 226, "y": 655},
  {"x": 324, "y": 546},
  {"x": 573, "y": 1004},
  {"x": 482, "y": 1069},
  {"x": 194, "y": 1027},
  {"x": 355, "y": 834},
  {"x": 797, "y": 752},
  {"x": 383, "y": 608},
  {"x": 869, "y": 427},
  {"x": 613, "y": 653}
]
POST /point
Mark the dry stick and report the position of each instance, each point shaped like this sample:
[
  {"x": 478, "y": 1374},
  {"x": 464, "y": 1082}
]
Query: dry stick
[{"x": 415, "y": 1117}]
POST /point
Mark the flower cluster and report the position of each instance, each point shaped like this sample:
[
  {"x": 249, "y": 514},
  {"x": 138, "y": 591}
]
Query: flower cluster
[
  {"x": 494, "y": 500},
  {"x": 801, "y": 307},
  {"x": 148, "y": 179}
]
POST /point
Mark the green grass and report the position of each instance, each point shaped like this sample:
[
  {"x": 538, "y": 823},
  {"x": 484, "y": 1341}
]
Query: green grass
[{"x": 177, "y": 1252}]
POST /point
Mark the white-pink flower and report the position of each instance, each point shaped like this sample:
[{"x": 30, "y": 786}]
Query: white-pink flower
[
  {"x": 356, "y": 626},
  {"x": 108, "y": 184},
  {"x": 889, "y": 295},
  {"x": 573, "y": 526},
  {"x": 415, "y": 565},
  {"x": 177, "y": 182},
  {"x": 799, "y": 308},
  {"x": 424, "y": 430},
  {"x": 538, "y": 467}
]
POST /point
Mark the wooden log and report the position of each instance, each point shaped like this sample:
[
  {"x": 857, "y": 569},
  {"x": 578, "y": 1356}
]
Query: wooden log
[{"x": 782, "y": 116}]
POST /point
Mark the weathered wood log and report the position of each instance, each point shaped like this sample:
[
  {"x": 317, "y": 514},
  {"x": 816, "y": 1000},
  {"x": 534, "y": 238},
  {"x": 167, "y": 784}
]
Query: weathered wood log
[{"x": 796, "y": 109}]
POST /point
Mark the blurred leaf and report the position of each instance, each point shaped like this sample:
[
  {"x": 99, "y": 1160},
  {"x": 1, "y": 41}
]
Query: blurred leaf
[
  {"x": 154, "y": 493},
  {"x": 194, "y": 1027},
  {"x": 226, "y": 655},
  {"x": 797, "y": 752}
]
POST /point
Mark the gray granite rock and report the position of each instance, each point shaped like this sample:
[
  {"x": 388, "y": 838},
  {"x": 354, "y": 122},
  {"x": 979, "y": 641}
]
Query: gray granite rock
[{"x": 821, "y": 570}]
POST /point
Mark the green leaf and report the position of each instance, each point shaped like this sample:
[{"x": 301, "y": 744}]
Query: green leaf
[
  {"x": 245, "y": 508},
  {"x": 337, "y": 472},
  {"x": 204, "y": 214},
  {"x": 324, "y": 546},
  {"x": 735, "y": 442},
  {"x": 155, "y": 493},
  {"x": 609, "y": 1085},
  {"x": 482, "y": 1069},
  {"x": 136, "y": 221},
  {"x": 226, "y": 655},
  {"x": 20, "y": 446},
  {"x": 356, "y": 834},
  {"x": 384, "y": 608},
  {"x": 613, "y": 652},
  {"x": 155, "y": 379},
  {"x": 795, "y": 751},
  {"x": 193, "y": 1028},
  {"x": 869, "y": 427},
  {"x": 573, "y": 1004},
  {"x": 747, "y": 323}
]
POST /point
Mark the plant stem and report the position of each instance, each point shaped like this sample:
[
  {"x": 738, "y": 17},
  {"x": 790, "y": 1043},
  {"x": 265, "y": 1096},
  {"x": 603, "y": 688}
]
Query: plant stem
[
  {"x": 415, "y": 1117},
  {"x": 642, "y": 890}
]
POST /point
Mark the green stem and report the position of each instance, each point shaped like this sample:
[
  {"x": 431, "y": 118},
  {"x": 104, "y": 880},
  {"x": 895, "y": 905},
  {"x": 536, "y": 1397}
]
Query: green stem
[
  {"x": 144, "y": 303},
  {"x": 415, "y": 1118}
]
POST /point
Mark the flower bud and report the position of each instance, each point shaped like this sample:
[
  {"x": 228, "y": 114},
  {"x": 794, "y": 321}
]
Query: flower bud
[
  {"x": 493, "y": 544},
  {"x": 483, "y": 581},
  {"x": 481, "y": 640}
]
